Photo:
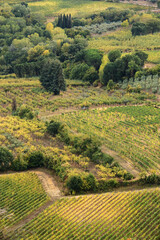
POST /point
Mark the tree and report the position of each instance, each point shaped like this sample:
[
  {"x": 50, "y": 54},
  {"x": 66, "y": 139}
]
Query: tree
[
  {"x": 93, "y": 58},
  {"x": 6, "y": 159},
  {"x": 138, "y": 29},
  {"x": 20, "y": 10},
  {"x": 113, "y": 55},
  {"x": 108, "y": 72},
  {"x": 52, "y": 78}
]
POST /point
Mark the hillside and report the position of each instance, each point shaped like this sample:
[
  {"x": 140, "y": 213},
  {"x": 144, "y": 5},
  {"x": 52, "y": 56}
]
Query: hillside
[{"x": 79, "y": 120}]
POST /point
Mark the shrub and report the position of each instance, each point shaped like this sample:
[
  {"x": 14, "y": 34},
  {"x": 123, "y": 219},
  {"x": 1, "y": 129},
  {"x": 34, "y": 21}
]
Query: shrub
[
  {"x": 52, "y": 78},
  {"x": 91, "y": 75},
  {"x": 34, "y": 159},
  {"x": 79, "y": 71},
  {"x": 93, "y": 57},
  {"x": 110, "y": 85},
  {"x": 25, "y": 112},
  {"x": 74, "y": 183},
  {"x": 53, "y": 128},
  {"x": 6, "y": 159},
  {"x": 113, "y": 55},
  {"x": 19, "y": 164}
]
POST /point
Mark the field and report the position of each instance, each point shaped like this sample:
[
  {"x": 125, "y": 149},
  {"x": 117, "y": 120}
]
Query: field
[
  {"x": 44, "y": 103},
  {"x": 131, "y": 131},
  {"x": 21, "y": 194},
  {"x": 82, "y": 8},
  {"x": 112, "y": 216},
  {"x": 123, "y": 40}
]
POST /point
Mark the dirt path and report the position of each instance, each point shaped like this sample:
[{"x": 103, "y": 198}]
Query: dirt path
[
  {"x": 125, "y": 164},
  {"x": 49, "y": 184},
  {"x": 73, "y": 109},
  {"x": 50, "y": 187}
]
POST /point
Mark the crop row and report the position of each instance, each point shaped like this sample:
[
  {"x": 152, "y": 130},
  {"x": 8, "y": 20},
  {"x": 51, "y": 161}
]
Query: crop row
[
  {"x": 20, "y": 194},
  {"x": 132, "y": 131},
  {"x": 105, "y": 216}
]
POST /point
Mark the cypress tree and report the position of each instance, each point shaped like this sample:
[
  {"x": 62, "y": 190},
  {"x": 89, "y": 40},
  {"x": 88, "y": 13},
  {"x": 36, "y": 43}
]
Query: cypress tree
[
  {"x": 64, "y": 21},
  {"x": 69, "y": 21}
]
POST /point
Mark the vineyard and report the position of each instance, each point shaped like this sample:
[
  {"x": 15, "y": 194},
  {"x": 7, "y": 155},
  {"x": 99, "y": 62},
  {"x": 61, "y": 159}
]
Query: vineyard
[
  {"x": 42, "y": 102},
  {"x": 123, "y": 40},
  {"x": 147, "y": 83},
  {"x": 20, "y": 194},
  {"x": 51, "y": 8},
  {"x": 132, "y": 131},
  {"x": 112, "y": 216}
]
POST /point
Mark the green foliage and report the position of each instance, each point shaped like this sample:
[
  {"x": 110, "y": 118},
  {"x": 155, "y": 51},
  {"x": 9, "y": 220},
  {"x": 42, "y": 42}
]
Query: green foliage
[
  {"x": 20, "y": 10},
  {"x": 25, "y": 112},
  {"x": 20, "y": 163},
  {"x": 6, "y": 159},
  {"x": 52, "y": 78},
  {"x": 79, "y": 71},
  {"x": 93, "y": 57},
  {"x": 110, "y": 85},
  {"x": 126, "y": 67},
  {"x": 53, "y": 127},
  {"x": 91, "y": 75},
  {"x": 113, "y": 55},
  {"x": 74, "y": 183},
  {"x": 34, "y": 159}
]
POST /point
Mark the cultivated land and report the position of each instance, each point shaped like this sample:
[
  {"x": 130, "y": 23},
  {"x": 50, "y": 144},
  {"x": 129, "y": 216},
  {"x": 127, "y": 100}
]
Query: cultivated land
[
  {"x": 121, "y": 177},
  {"x": 119, "y": 215}
]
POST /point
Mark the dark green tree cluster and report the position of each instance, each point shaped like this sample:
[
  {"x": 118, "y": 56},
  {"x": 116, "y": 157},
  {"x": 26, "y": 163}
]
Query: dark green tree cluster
[
  {"x": 64, "y": 21},
  {"x": 124, "y": 67},
  {"x": 151, "y": 26},
  {"x": 52, "y": 78}
]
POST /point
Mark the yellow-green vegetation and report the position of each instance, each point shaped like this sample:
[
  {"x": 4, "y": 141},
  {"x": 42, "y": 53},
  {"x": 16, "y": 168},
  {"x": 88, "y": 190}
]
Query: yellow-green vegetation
[
  {"x": 29, "y": 92},
  {"x": 125, "y": 215},
  {"x": 132, "y": 131},
  {"x": 80, "y": 8},
  {"x": 20, "y": 194},
  {"x": 123, "y": 40}
]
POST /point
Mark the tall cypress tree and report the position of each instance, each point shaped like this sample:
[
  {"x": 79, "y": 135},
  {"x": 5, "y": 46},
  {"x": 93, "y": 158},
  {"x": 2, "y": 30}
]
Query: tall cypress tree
[
  {"x": 63, "y": 21},
  {"x": 69, "y": 21},
  {"x": 59, "y": 24}
]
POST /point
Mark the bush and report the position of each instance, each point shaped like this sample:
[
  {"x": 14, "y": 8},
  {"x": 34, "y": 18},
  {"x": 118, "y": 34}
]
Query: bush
[
  {"x": 20, "y": 164},
  {"x": 93, "y": 58},
  {"x": 34, "y": 159},
  {"x": 25, "y": 112},
  {"x": 110, "y": 85},
  {"x": 53, "y": 128},
  {"x": 74, "y": 183},
  {"x": 6, "y": 159},
  {"x": 52, "y": 78},
  {"x": 113, "y": 55},
  {"x": 91, "y": 75},
  {"x": 78, "y": 71}
]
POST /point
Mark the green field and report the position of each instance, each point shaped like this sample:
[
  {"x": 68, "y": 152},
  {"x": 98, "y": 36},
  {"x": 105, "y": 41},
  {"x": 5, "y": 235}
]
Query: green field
[
  {"x": 44, "y": 103},
  {"x": 112, "y": 216},
  {"x": 123, "y": 40},
  {"x": 20, "y": 194},
  {"x": 82, "y": 8},
  {"x": 132, "y": 131}
]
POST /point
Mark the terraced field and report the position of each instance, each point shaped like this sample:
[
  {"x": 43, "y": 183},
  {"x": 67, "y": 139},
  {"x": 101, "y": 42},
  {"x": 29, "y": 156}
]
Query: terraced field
[
  {"x": 20, "y": 194},
  {"x": 132, "y": 131},
  {"x": 112, "y": 216}
]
